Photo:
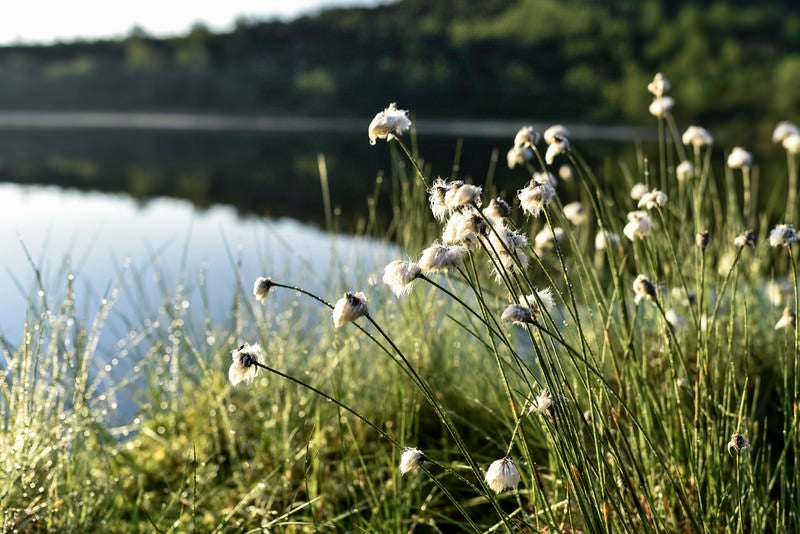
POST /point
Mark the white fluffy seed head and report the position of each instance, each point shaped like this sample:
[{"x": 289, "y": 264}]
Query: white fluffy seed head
[
  {"x": 661, "y": 105},
  {"x": 399, "y": 275},
  {"x": 557, "y": 130},
  {"x": 261, "y": 288},
  {"x": 792, "y": 143},
  {"x": 782, "y": 234},
  {"x": 526, "y": 137},
  {"x": 575, "y": 213},
  {"x": 604, "y": 239},
  {"x": 659, "y": 86},
  {"x": 536, "y": 196},
  {"x": 517, "y": 314},
  {"x": 388, "y": 123},
  {"x": 411, "y": 460},
  {"x": 546, "y": 238},
  {"x": 653, "y": 199},
  {"x": 438, "y": 257},
  {"x": 517, "y": 156},
  {"x": 638, "y": 191},
  {"x": 697, "y": 136},
  {"x": 638, "y": 226},
  {"x": 349, "y": 308},
  {"x": 644, "y": 288},
  {"x": 560, "y": 145},
  {"x": 244, "y": 367},
  {"x": 783, "y": 130},
  {"x": 740, "y": 158},
  {"x": 502, "y": 475},
  {"x": 684, "y": 171},
  {"x": 497, "y": 210}
]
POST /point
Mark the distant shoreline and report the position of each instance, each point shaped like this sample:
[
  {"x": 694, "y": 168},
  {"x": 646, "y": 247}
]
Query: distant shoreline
[{"x": 267, "y": 123}]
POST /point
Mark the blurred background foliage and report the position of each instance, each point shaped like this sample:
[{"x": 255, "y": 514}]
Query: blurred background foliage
[{"x": 548, "y": 59}]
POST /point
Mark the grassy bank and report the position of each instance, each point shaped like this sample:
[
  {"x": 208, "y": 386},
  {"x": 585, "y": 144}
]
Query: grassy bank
[{"x": 515, "y": 372}]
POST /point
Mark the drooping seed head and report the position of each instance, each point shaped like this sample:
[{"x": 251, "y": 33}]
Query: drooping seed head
[
  {"x": 653, "y": 200},
  {"x": 497, "y": 210},
  {"x": 557, "y": 130},
  {"x": 737, "y": 443},
  {"x": 502, "y": 475},
  {"x": 535, "y": 197},
  {"x": 438, "y": 257},
  {"x": 703, "y": 239},
  {"x": 244, "y": 366},
  {"x": 527, "y": 136},
  {"x": 399, "y": 275},
  {"x": 560, "y": 145},
  {"x": 349, "y": 308},
  {"x": 745, "y": 239},
  {"x": 644, "y": 288},
  {"x": 411, "y": 460},
  {"x": 261, "y": 287}
]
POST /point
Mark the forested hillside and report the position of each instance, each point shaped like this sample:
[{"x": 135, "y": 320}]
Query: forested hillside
[{"x": 548, "y": 59}]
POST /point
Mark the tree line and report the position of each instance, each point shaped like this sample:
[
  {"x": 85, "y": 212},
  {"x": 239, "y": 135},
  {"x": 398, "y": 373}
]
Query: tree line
[{"x": 735, "y": 62}]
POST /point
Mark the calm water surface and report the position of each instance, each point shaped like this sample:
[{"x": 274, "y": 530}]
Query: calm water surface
[{"x": 111, "y": 241}]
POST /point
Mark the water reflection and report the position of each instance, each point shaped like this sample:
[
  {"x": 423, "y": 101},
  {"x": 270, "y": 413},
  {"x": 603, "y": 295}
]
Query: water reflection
[
  {"x": 270, "y": 173},
  {"x": 111, "y": 241}
]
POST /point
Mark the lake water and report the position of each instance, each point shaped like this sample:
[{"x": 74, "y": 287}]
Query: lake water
[
  {"x": 169, "y": 199},
  {"x": 106, "y": 240},
  {"x": 113, "y": 244}
]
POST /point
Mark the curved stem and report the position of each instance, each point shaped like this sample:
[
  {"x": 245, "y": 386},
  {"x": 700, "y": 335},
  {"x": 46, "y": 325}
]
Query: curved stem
[
  {"x": 412, "y": 160},
  {"x": 327, "y": 397}
]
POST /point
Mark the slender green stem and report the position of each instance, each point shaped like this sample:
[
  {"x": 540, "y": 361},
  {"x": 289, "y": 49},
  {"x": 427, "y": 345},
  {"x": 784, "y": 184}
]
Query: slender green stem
[
  {"x": 412, "y": 160},
  {"x": 791, "y": 197},
  {"x": 327, "y": 397}
]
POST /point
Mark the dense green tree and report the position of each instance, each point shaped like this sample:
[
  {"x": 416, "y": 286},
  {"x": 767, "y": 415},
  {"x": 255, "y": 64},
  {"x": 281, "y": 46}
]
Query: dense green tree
[{"x": 544, "y": 59}]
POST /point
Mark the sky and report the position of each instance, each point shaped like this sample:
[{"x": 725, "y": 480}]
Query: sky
[{"x": 46, "y": 21}]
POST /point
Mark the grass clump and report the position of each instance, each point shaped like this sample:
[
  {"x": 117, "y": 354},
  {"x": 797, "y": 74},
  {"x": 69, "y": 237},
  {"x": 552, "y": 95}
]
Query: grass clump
[{"x": 628, "y": 363}]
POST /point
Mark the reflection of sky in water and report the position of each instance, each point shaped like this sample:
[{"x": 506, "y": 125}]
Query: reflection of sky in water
[{"x": 111, "y": 239}]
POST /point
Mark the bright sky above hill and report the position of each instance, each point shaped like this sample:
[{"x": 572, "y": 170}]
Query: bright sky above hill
[{"x": 46, "y": 21}]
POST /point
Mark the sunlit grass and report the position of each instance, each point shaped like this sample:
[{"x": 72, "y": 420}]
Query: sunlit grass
[{"x": 618, "y": 415}]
